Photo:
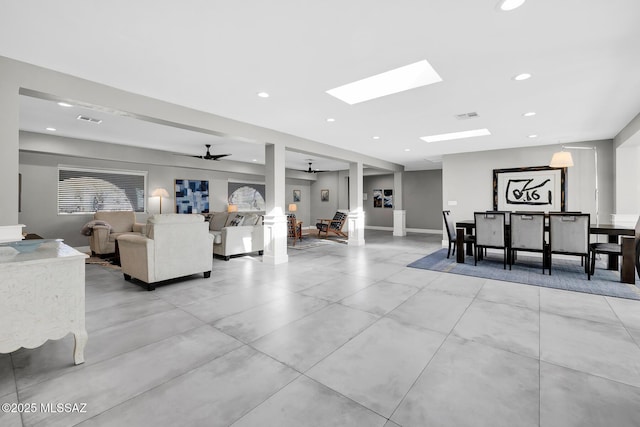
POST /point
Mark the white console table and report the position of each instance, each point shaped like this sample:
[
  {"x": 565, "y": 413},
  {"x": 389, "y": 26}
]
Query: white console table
[{"x": 42, "y": 297}]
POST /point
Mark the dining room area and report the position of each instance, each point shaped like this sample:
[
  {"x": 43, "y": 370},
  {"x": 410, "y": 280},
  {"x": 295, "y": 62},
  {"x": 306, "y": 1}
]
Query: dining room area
[{"x": 560, "y": 216}]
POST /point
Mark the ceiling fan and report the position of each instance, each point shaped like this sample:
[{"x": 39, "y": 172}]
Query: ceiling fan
[
  {"x": 210, "y": 156},
  {"x": 311, "y": 170}
]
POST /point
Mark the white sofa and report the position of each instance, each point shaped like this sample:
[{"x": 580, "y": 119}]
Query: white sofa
[
  {"x": 175, "y": 245},
  {"x": 244, "y": 238},
  {"x": 102, "y": 240}
]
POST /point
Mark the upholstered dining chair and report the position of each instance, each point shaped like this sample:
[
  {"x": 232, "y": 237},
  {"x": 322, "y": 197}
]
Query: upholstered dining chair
[
  {"x": 527, "y": 234},
  {"x": 615, "y": 249},
  {"x": 507, "y": 216},
  {"x": 452, "y": 234},
  {"x": 569, "y": 235},
  {"x": 490, "y": 233},
  {"x": 294, "y": 228}
]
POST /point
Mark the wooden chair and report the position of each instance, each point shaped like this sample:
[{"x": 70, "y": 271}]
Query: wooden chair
[
  {"x": 332, "y": 225},
  {"x": 451, "y": 233},
  {"x": 615, "y": 249},
  {"x": 294, "y": 228}
]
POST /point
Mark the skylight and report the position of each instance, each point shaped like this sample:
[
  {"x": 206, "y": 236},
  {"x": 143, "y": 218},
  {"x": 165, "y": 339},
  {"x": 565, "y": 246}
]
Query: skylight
[
  {"x": 456, "y": 135},
  {"x": 398, "y": 80}
]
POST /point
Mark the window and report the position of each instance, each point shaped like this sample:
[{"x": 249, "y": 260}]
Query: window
[{"x": 83, "y": 191}]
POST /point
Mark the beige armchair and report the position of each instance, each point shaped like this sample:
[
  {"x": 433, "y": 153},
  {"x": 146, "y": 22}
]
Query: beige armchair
[
  {"x": 175, "y": 245},
  {"x": 102, "y": 240}
]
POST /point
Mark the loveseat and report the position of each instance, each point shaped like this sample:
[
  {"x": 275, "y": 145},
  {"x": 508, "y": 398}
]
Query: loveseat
[
  {"x": 102, "y": 239},
  {"x": 175, "y": 245},
  {"x": 236, "y": 233}
]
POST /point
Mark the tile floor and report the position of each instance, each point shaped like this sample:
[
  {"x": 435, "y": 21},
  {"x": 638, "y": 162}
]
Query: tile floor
[{"x": 339, "y": 336}]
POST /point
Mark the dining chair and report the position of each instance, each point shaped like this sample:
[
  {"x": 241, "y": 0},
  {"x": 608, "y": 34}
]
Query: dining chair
[
  {"x": 569, "y": 235},
  {"x": 527, "y": 234},
  {"x": 490, "y": 233},
  {"x": 452, "y": 234},
  {"x": 507, "y": 216},
  {"x": 615, "y": 249}
]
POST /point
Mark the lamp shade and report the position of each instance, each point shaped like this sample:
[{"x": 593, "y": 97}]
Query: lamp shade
[
  {"x": 160, "y": 192},
  {"x": 293, "y": 207},
  {"x": 561, "y": 159},
  {"x": 232, "y": 208}
]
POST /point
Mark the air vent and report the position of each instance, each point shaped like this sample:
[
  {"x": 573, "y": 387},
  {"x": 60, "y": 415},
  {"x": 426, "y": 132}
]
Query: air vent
[
  {"x": 466, "y": 116},
  {"x": 89, "y": 119}
]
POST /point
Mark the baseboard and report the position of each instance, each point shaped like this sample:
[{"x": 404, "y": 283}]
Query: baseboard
[
  {"x": 409, "y": 230},
  {"x": 424, "y": 230},
  {"x": 376, "y": 227}
]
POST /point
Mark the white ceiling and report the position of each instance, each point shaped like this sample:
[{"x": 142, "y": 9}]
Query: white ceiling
[{"x": 216, "y": 55}]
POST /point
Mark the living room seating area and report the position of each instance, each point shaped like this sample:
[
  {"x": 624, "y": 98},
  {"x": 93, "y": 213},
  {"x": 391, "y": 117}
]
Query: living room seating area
[
  {"x": 174, "y": 246},
  {"x": 107, "y": 226},
  {"x": 236, "y": 233}
]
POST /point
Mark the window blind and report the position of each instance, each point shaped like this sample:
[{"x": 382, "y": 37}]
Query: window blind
[{"x": 82, "y": 191}]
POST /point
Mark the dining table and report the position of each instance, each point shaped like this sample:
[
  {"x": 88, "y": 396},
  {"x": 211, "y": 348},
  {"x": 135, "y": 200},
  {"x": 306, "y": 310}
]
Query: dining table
[{"x": 615, "y": 233}]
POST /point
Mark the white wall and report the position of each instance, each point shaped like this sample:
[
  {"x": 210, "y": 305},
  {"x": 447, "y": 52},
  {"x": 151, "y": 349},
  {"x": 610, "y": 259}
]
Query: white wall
[
  {"x": 39, "y": 189},
  {"x": 377, "y": 217},
  {"x": 19, "y": 77},
  {"x": 627, "y": 184},
  {"x": 468, "y": 178},
  {"x": 304, "y": 205},
  {"x": 325, "y": 181}
]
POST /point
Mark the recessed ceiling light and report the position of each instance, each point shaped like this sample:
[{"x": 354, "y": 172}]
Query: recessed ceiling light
[
  {"x": 64, "y": 104},
  {"x": 533, "y": 136},
  {"x": 407, "y": 149},
  {"x": 331, "y": 119},
  {"x": 522, "y": 76},
  {"x": 51, "y": 129},
  {"x": 376, "y": 137},
  {"x": 456, "y": 135},
  {"x": 529, "y": 114},
  {"x": 254, "y": 160},
  {"x": 508, "y": 5},
  {"x": 263, "y": 94},
  {"x": 398, "y": 80}
]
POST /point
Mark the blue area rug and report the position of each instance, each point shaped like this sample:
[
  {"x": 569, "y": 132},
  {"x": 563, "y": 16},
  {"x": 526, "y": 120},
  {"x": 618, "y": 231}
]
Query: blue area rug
[{"x": 566, "y": 274}]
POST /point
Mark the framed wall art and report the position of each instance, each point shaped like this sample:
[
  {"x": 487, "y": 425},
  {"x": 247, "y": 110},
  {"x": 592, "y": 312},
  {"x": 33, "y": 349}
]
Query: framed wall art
[
  {"x": 377, "y": 198},
  {"x": 388, "y": 199},
  {"x": 192, "y": 196},
  {"x": 297, "y": 196},
  {"x": 247, "y": 196},
  {"x": 539, "y": 188},
  {"x": 324, "y": 195}
]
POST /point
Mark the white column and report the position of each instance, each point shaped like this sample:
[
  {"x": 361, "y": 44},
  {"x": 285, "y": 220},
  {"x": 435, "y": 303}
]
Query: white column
[
  {"x": 9, "y": 157},
  {"x": 399, "y": 214},
  {"x": 356, "y": 212},
  {"x": 275, "y": 221}
]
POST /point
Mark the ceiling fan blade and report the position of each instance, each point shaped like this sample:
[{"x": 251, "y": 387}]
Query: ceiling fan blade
[{"x": 217, "y": 156}]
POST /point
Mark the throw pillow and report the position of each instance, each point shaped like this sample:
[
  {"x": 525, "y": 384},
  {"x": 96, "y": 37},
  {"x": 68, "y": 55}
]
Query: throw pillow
[
  {"x": 250, "y": 219},
  {"x": 237, "y": 221}
]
